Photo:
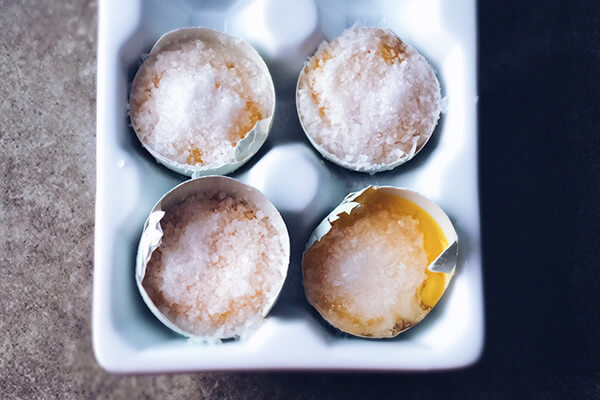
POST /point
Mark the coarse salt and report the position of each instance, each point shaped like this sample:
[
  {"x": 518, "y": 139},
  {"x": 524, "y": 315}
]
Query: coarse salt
[
  {"x": 367, "y": 272},
  {"x": 367, "y": 100},
  {"x": 218, "y": 268},
  {"x": 195, "y": 102},
  {"x": 370, "y": 271}
]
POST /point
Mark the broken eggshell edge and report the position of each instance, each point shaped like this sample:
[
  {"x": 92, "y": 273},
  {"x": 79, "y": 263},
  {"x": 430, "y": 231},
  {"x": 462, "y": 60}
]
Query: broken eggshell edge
[
  {"x": 349, "y": 204},
  {"x": 254, "y": 139},
  {"x": 371, "y": 168},
  {"x": 152, "y": 234}
]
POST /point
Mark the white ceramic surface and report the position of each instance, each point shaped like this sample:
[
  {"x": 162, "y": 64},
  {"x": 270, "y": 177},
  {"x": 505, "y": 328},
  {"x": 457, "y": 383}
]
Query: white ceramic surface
[{"x": 126, "y": 336}]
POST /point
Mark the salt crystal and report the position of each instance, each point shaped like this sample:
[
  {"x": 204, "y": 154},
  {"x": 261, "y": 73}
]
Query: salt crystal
[
  {"x": 365, "y": 274},
  {"x": 209, "y": 275},
  {"x": 193, "y": 104},
  {"x": 368, "y": 100}
]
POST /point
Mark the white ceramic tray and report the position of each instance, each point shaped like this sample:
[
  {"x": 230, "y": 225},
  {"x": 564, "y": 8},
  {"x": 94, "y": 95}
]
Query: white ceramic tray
[{"x": 128, "y": 338}]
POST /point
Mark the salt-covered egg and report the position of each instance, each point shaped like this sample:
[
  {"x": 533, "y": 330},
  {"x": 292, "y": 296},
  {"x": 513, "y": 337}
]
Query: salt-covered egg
[
  {"x": 212, "y": 258},
  {"x": 367, "y": 101},
  {"x": 202, "y": 103},
  {"x": 365, "y": 269}
]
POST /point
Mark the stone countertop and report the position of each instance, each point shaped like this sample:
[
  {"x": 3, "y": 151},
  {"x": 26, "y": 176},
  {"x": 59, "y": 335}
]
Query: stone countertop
[{"x": 538, "y": 80}]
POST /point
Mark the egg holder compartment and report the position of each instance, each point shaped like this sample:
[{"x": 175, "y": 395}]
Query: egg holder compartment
[{"x": 297, "y": 180}]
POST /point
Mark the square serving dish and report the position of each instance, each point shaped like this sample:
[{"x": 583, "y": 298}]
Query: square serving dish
[{"x": 127, "y": 338}]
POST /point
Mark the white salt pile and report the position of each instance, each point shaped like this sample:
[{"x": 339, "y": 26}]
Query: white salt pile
[
  {"x": 193, "y": 103},
  {"x": 218, "y": 269},
  {"x": 368, "y": 100},
  {"x": 365, "y": 275}
]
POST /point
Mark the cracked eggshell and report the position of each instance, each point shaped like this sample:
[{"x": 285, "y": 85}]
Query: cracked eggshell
[
  {"x": 369, "y": 168},
  {"x": 254, "y": 139},
  {"x": 152, "y": 235},
  {"x": 354, "y": 202}
]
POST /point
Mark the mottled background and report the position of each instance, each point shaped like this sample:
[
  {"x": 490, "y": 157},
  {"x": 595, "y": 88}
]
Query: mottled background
[{"x": 540, "y": 180}]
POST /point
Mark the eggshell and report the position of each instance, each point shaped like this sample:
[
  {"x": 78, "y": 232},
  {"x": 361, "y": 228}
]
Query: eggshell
[
  {"x": 254, "y": 139},
  {"x": 152, "y": 236},
  {"x": 351, "y": 203},
  {"x": 368, "y": 168}
]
